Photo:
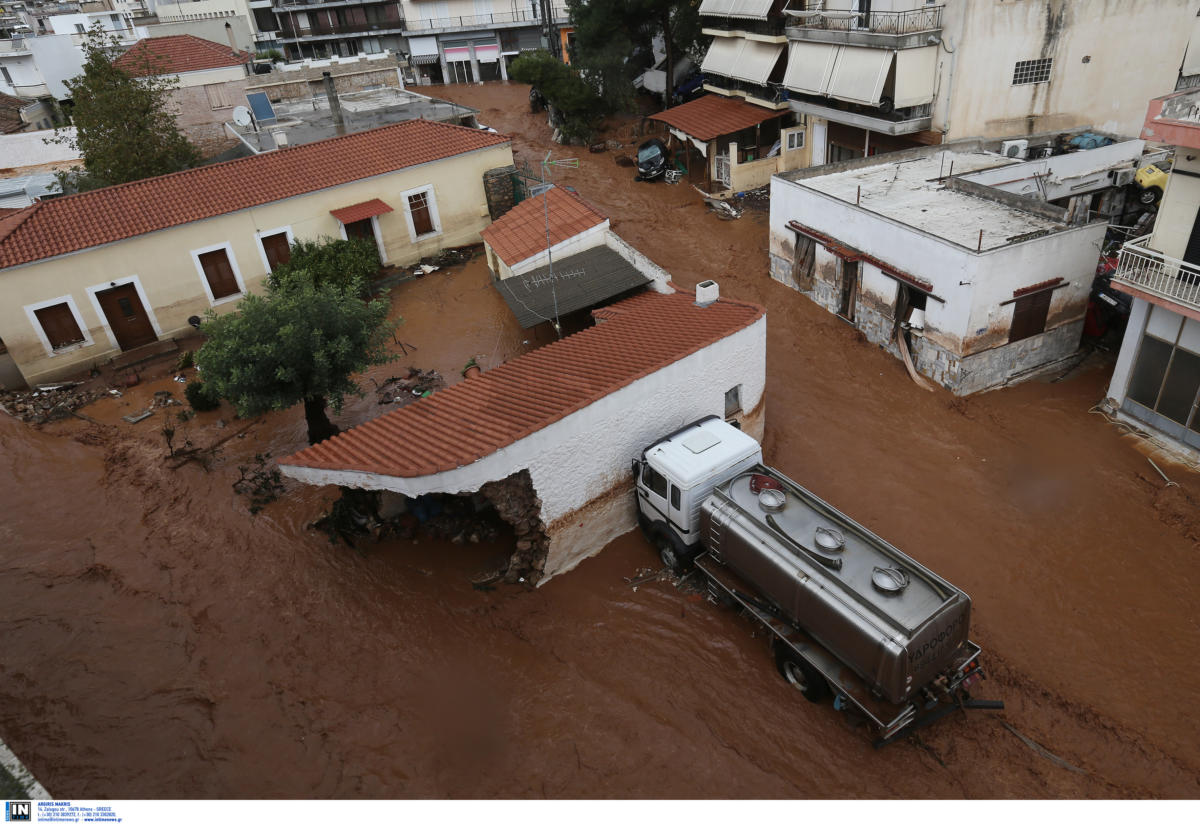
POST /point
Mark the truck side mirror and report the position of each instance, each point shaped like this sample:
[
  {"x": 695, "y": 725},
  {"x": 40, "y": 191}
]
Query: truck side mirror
[{"x": 637, "y": 470}]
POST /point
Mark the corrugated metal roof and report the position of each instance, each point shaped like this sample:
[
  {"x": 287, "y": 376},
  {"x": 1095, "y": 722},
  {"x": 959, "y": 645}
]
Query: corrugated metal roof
[
  {"x": 472, "y": 419},
  {"x": 579, "y": 281}
]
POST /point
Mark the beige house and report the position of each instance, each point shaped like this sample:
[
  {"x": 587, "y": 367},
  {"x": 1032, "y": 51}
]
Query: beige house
[
  {"x": 87, "y": 276},
  {"x": 212, "y": 80}
]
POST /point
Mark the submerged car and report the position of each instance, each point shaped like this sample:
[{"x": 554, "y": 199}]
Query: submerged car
[{"x": 651, "y": 159}]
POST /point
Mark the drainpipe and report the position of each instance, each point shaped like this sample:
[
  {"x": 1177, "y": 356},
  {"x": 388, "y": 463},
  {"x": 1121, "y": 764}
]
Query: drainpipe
[
  {"x": 948, "y": 45},
  {"x": 335, "y": 105}
]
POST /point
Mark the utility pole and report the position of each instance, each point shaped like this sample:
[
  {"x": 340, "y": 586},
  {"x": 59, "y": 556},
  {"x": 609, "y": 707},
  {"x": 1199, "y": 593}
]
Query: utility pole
[{"x": 550, "y": 28}]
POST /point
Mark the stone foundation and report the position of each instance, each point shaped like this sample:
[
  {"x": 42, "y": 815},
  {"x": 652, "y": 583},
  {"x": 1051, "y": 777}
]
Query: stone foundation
[{"x": 518, "y": 504}]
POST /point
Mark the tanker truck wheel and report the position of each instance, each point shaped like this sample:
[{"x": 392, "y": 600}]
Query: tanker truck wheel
[
  {"x": 801, "y": 674},
  {"x": 669, "y": 554}
]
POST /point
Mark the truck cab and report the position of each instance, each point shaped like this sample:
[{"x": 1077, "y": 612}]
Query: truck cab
[{"x": 674, "y": 476}]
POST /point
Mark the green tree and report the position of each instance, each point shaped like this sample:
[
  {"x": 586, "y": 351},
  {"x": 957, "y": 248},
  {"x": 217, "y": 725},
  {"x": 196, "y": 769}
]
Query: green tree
[
  {"x": 577, "y": 105},
  {"x": 328, "y": 260},
  {"x": 301, "y": 342},
  {"x": 125, "y": 129},
  {"x": 609, "y": 35}
]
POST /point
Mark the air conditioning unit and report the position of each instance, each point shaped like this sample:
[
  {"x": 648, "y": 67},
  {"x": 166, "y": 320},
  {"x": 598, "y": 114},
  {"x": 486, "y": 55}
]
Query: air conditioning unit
[
  {"x": 1122, "y": 177},
  {"x": 1015, "y": 148}
]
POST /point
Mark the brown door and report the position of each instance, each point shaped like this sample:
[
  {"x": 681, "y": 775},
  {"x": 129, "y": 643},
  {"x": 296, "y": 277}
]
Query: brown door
[
  {"x": 218, "y": 271},
  {"x": 418, "y": 207},
  {"x": 276, "y": 249},
  {"x": 361, "y": 229},
  {"x": 126, "y": 316}
]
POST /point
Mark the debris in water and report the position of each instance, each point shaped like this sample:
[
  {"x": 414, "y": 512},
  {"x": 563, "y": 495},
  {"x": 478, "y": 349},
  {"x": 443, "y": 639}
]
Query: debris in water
[{"x": 137, "y": 417}]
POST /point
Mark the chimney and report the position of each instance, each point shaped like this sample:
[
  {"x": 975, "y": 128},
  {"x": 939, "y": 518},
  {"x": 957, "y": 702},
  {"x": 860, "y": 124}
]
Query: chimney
[
  {"x": 335, "y": 105},
  {"x": 707, "y": 292},
  {"x": 229, "y": 35}
]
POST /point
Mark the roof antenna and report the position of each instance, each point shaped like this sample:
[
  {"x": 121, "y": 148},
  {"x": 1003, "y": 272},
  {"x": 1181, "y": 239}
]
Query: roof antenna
[{"x": 569, "y": 162}]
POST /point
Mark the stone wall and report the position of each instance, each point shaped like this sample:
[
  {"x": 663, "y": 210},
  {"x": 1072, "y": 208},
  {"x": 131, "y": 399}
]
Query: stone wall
[
  {"x": 498, "y": 189},
  {"x": 518, "y": 504},
  {"x": 200, "y": 122}
]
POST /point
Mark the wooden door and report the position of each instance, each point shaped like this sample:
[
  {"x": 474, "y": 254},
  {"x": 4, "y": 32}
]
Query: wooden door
[
  {"x": 361, "y": 229},
  {"x": 127, "y": 318},
  {"x": 277, "y": 250},
  {"x": 219, "y": 273}
]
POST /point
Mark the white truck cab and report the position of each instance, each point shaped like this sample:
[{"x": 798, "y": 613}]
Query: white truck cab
[{"x": 676, "y": 474}]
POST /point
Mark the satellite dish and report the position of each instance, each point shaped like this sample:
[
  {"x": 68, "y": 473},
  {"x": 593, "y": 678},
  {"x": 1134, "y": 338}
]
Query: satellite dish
[{"x": 241, "y": 116}]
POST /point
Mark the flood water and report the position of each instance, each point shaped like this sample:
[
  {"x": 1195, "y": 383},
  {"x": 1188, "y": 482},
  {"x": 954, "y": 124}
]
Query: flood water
[{"x": 159, "y": 641}]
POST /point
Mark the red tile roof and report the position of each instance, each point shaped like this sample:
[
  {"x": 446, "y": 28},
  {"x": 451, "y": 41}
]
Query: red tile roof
[
  {"x": 520, "y": 232},
  {"x": 178, "y": 53},
  {"x": 709, "y": 117},
  {"x": 472, "y": 419},
  {"x": 68, "y": 224},
  {"x": 361, "y": 211}
]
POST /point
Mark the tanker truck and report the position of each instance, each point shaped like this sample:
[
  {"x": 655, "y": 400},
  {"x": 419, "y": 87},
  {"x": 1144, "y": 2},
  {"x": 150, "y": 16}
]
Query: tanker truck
[{"x": 850, "y": 616}]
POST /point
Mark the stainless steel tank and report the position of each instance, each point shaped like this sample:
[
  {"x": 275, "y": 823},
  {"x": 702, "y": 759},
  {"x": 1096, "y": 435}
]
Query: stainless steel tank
[{"x": 891, "y": 620}]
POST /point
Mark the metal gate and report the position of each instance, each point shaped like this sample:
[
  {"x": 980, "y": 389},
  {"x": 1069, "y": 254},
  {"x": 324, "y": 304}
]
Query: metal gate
[{"x": 722, "y": 170}]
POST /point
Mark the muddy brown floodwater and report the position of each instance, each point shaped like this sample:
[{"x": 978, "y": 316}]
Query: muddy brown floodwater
[{"x": 159, "y": 641}]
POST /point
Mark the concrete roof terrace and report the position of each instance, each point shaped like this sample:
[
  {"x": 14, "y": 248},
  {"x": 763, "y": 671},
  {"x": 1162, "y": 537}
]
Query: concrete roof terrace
[{"x": 917, "y": 191}]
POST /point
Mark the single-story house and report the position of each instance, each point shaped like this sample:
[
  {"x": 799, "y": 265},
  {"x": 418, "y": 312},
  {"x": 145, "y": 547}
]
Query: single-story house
[
  {"x": 729, "y": 145},
  {"x": 86, "y": 276},
  {"x": 212, "y": 80},
  {"x": 975, "y": 285},
  {"x": 549, "y": 437},
  {"x": 583, "y": 266}
]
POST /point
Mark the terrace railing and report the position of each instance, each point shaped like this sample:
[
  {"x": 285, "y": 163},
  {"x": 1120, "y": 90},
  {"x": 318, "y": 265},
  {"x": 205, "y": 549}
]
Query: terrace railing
[
  {"x": 811, "y": 14},
  {"x": 1151, "y": 271}
]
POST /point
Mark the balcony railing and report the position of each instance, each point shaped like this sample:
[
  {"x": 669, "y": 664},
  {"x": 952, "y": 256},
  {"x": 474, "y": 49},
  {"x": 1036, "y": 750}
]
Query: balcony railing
[
  {"x": 811, "y": 14},
  {"x": 771, "y": 27},
  {"x": 1152, "y": 271},
  {"x": 480, "y": 21},
  {"x": 772, "y": 92},
  {"x": 348, "y": 28}
]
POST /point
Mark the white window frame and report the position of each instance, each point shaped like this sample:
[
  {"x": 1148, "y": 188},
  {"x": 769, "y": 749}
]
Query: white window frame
[
  {"x": 262, "y": 250},
  {"x": 41, "y": 333},
  {"x": 1025, "y": 70},
  {"x": 383, "y": 259},
  {"x": 237, "y": 273},
  {"x": 797, "y": 137},
  {"x": 112, "y": 284},
  {"x": 431, "y": 199}
]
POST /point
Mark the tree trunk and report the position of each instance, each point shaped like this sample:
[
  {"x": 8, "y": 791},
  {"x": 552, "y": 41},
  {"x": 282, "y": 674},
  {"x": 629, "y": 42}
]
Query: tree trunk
[
  {"x": 319, "y": 425},
  {"x": 669, "y": 91}
]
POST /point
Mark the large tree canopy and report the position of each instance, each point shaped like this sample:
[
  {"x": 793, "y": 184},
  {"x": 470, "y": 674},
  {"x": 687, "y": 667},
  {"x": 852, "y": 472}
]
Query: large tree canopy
[
  {"x": 301, "y": 342},
  {"x": 342, "y": 262},
  {"x": 576, "y": 103},
  {"x": 125, "y": 127},
  {"x": 614, "y": 40}
]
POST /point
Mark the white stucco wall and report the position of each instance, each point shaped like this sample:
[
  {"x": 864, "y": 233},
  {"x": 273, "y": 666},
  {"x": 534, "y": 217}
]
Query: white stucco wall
[
  {"x": 58, "y": 59},
  {"x": 972, "y": 284},
  {"x": 1109, "y": 58},
  {"x": 659, "y": 277},
  {"x": 1139, "y": 313},
  {"x": 1178, "y": 207},
  {"x": 586, "y": 454},
  {"x": 23, "y": 69},
  {"x": 571, "y": 246},
  {"x": 31, "y": 149}
]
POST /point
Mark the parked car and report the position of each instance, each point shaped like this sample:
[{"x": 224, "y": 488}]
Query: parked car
[
  {"x": 652, "y": 159},
  {"x": 1151, "y": 181}
]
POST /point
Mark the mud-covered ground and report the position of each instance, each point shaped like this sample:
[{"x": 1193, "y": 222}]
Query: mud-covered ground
[{"x": 159, "y": 641}]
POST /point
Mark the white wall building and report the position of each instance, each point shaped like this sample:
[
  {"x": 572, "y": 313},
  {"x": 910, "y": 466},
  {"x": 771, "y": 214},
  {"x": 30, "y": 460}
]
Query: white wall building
[
  {"x": 570, "y": 417},
  {"x": 1156, "y": 381},
  {"x": 977, "y": 284}
]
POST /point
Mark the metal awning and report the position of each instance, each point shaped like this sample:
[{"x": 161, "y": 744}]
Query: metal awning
[
  {"x": 859, "y": 74},
  {"x": 810, "y": 66},
  {"x": 748, "y": 9},
  {"x": 579, "y": 281},
  {"x": 422, "y": 46},
  {"x": 915, "y": 70},
  {"x": 361, "y": 211},
  {"x": 487, "y": 53},
  {"x": 722, "y": 56}
]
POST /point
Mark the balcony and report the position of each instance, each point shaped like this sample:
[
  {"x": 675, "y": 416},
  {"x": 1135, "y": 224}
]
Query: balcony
[
  {"x": 281, "y": 6},
  {"x": 1152, "y": 272},
  {"x": 14, "y": 46},
  {"x": 294, "y": 35},
  {"x": 769, "y": 96},
  {"x": 808, "y": 20},
  {"x": 770, "y": 30},
  {"x": 471, "y": 22}
]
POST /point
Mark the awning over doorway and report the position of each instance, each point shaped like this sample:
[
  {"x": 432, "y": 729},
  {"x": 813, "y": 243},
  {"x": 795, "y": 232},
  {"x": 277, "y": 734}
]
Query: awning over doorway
[
  {"x": 423, "y": 50},
  {"x": 707, "y": 118},
  {"x": 361, "y": 211}
]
